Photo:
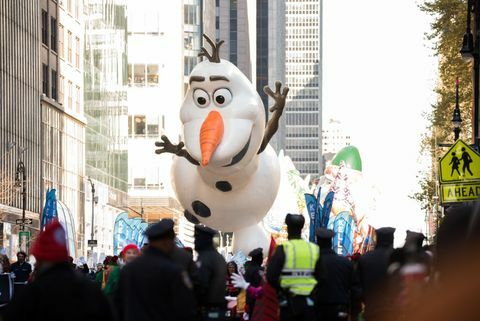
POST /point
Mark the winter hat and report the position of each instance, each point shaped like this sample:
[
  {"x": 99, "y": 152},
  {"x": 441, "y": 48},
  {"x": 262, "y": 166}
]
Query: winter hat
[
  {"x": 51, "y": 245},
  {"x": 129, "y": 247}
]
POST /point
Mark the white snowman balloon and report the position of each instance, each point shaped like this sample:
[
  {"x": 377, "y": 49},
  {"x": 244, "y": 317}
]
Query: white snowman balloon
[{"x": 226, "y": 175}]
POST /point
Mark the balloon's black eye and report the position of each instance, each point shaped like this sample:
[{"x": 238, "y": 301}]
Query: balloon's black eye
[
  {"x": 220, "y": 99},
  {"x": 201, "y": 100}
]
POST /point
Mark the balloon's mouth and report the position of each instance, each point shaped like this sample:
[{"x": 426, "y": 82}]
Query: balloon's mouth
[{"x": 237, "y": 158}]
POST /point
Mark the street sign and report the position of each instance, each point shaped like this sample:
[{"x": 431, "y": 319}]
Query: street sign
[
  {"x": 460, "y": 164},
  {"x": 92, "y": 242},
  {"x": 26, "y": 221},
  {"x": 463, "y": 192}
]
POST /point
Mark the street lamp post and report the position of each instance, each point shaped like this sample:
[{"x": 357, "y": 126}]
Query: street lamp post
[
  {"x": 457, "y": 119},
  {"x": 471, "y": 50},
  {"x": 20, "y": 181},
  {"x": 93, "y": 212}
]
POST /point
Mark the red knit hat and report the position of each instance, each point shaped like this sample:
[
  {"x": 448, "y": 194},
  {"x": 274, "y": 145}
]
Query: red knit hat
[
  {"x": 51, "y": 245},
  {"x": 129, "y": 247}
]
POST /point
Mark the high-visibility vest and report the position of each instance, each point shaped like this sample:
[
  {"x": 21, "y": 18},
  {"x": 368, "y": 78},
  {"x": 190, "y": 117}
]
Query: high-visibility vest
[{"x": 300, "y": 259}]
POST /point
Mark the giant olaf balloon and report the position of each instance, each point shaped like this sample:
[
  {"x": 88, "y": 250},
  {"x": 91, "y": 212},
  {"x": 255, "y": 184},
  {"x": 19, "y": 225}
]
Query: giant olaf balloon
[{"x": 226, "y": 175}]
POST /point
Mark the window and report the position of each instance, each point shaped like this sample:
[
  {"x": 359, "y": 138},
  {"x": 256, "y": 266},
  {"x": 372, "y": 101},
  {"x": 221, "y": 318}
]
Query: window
[
  {"x": 54, "y": 84},
  {"x": 152, "y": 126},
  {"x": 45, "y": 28},
  {"x": 45, "y": 79},
  {"x": 69, "y": 47},
  {"x": 70, "y": 94},
  {"x": 152, "y": 75},
  {"x": 139, "y": 125},
  {"x": 130, "y": 127},
  {"x": 60, "y": 89},
  {"x": 77, "y": 101},
  {"x": 61, "y": 51},
  {"x": 139, "y": 182},
  {"x": 139, "y": 75},
  {"x": 53, "y": 34},
  {"x": 69, "y": 6},
  {"x": 77, "y": 52}
]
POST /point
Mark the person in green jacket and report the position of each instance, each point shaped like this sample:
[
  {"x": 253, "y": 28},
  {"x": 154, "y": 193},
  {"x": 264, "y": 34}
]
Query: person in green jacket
[{"x": 129, "y": 253}]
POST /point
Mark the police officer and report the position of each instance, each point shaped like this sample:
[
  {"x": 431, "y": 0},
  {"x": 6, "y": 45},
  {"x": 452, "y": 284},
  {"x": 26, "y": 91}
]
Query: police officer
[
  {"x": 212, "y": 270},
  {"x": 338, "y": 289},
  {"x": 153, "y": 287},
  {"x": 291, "y": 272},
  {"x": 372, "y": 271}
]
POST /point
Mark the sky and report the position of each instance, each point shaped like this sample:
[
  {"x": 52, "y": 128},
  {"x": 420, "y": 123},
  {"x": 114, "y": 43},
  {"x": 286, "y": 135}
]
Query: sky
[{"x": 379, "y": 72}]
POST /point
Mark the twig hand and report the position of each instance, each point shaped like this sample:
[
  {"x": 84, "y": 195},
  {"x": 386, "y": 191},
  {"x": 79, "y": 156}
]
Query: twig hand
[
  {"x": 278, "y": 97},
  {"x": 167, "y": 147}
]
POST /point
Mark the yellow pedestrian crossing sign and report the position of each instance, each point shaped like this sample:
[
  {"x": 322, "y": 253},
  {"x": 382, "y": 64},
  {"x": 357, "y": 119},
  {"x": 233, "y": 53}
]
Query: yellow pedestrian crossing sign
[{"x": 460, "y": 164}]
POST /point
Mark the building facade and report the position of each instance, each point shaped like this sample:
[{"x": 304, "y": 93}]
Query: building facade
[
  {"x": 303, "y": 72},
  {"x": 155, "y": 94},
  {"x": 63, "y": 122},
  {"x": 20, "y": 114},
  {"x": 334, "y": 138},
  {"x": 105, "y": 109}
]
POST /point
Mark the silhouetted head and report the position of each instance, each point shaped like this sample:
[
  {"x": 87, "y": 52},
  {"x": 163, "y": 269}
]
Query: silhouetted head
[
  {"x": 324, "y": 237},
  {"x": 257, "y": 255},
  {"x": 414, "y": 239},
  {"x": 161, "y": 236},
  {"x": 295, "y": 223},
  {"x": 385, "y": 237},
  {"x": 453, "y": 153},
  {"x": 203, "y": 237}
]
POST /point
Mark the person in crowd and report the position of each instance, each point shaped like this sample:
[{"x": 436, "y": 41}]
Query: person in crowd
[
  {"x": 184, "y": 257},
  {"x": 57, "y": 293},
  {"x": 109, "y": 264},
  {"x": 129, "y": 253},
  {"x": 231, "y": 291},
  {"x": 372, "y": 272},
  {"x": 254, "y": 273},
  {"x": 338, "y": 291},
  {"x": 212, "y": 272},
  {"x": 4, "y": 264},
  {"x": 291, "y": 272},
  {"x": 153, "y": 287},
  {"x": 21, "y": 269}
]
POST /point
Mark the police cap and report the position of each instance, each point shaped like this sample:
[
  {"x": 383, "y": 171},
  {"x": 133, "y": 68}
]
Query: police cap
[
  {"x": 256, "y": 252},
  {"x": 159, "y": 230},
  {"x": 324, "y": 233},
  {"x": 415, "y": 237},
  {"x": 204, "y": 230},
  {"x": 295, "y": 221}
]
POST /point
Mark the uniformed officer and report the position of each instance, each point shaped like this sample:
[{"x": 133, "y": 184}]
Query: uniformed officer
[
  {"x": 338, "y": 291},
  {"x": 372, "y": 271},
  {"x": 291, "y": 272},
  {"x": 212, "y": 270},
  {"x": 153, "y": 287}
]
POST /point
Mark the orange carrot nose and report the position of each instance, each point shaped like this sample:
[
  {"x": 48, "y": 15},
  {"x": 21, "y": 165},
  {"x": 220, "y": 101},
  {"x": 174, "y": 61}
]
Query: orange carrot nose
[{"x": 211, "y": 135}]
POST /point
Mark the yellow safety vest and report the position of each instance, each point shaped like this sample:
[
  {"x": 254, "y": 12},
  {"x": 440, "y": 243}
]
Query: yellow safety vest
[{"x": 300, "y": 259}]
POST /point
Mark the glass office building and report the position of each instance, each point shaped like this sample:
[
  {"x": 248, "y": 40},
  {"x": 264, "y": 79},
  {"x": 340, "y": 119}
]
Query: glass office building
[{"x": 105, "y": 94}]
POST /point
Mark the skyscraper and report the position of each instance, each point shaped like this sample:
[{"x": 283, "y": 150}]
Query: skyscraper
[
  {"x": 20, "y": 114},
  {"x": 105, "y": 99},
  {"x": 63, "y": 122},
  {"x": 303, "y": 71},
  {"x": 155, "y": 94}
]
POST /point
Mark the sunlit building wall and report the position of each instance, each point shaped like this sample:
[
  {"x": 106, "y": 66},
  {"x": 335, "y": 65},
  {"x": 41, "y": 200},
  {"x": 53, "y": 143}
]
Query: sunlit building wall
[
  {"x": 303, "y": 72},
  {"x": 20, "y": 115},
  {"x": 105, "y": 101},
  {"x": 156, "y": 43},
  {"x": 63, "y": 122},
  {"x": 335, "y": 137}
]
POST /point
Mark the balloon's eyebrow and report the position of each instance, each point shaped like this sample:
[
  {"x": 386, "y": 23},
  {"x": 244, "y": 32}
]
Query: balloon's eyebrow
[
  {"x": 213, "y": 78},
  {"x": 196, "y": 78}
]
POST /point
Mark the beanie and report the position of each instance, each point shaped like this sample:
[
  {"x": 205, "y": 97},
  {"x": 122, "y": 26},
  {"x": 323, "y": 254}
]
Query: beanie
[
  {"x": 129, "y": 247},
  {"x": 51, "y": 245}
]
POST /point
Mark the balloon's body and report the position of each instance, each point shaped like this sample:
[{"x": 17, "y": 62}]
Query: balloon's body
[
  {"x": 227, "y": 176},
  {"x": 244, "y": 205}
]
